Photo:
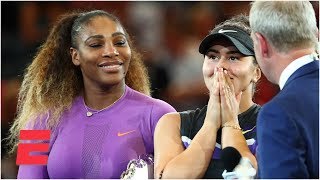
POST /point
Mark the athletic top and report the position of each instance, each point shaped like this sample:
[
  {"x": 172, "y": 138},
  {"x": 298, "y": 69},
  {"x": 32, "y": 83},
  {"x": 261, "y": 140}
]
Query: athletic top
[
  {"x": 192, "y": 121},
  {"x": 100, "y": 146}
]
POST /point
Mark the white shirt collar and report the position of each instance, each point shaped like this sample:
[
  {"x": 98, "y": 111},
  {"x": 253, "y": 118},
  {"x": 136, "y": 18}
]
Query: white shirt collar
[{"x": 292, "y": 67}]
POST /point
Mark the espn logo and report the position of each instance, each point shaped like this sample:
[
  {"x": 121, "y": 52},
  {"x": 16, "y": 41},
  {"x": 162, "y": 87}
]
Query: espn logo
[{"x": 24, "y": 151}]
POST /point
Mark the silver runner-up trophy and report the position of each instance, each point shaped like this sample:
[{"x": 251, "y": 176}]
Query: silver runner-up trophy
[{"x": 139, "y": 169}]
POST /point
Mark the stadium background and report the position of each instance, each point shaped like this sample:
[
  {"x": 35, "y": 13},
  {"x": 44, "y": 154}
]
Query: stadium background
[{"x": 167, "y": 33}]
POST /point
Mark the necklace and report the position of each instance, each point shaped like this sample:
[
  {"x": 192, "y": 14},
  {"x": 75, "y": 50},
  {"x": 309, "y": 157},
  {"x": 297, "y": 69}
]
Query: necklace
[{"x": 90, "y": 113}]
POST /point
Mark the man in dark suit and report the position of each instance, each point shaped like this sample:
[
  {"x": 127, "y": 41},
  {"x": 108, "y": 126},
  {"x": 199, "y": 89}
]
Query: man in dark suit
[{"x": 285, "y": 43}]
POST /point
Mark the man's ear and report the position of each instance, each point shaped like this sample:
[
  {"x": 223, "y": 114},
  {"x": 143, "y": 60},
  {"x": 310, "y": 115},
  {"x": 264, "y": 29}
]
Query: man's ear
[
  {"x": 263, "y": 44},
  {"x": 75, "y": 56}
]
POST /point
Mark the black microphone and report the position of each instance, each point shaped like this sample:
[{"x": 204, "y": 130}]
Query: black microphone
[
  {"x": 236, "y": 166},
  {"x": 230, "y": 157}
]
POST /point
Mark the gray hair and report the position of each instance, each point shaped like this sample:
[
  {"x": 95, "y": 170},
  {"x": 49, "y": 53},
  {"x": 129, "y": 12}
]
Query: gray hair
[{"x": 286, "y": 24}]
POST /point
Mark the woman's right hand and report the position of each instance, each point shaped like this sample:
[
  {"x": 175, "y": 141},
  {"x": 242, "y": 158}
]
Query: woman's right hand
[
  {"x": 213, "y": 116},
  {"x": 229, "y": 101}
]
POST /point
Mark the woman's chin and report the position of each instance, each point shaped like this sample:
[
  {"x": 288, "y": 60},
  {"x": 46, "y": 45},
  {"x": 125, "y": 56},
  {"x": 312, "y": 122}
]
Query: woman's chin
[{"x": 112, "y": 82}]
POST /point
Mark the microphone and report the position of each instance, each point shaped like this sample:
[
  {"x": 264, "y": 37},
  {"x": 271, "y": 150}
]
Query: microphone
[
  {"x": 230, "y": 158},
  {"x": 236, "y": 166}
]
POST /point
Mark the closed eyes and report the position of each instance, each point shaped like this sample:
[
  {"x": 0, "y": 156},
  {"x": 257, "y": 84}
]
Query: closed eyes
[{"x": 117, "y": 43}]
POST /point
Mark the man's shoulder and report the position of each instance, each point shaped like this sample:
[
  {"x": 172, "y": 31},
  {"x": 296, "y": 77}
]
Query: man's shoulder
[{"x": 273, "y": 110}]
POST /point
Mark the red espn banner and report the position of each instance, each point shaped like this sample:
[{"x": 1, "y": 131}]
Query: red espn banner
[{"x": 24, "y": 149}]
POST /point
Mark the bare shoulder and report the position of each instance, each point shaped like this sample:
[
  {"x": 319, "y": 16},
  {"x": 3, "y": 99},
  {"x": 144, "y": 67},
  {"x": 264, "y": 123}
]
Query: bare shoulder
[
  {"x": 172, "y": 118},
  {"x": 169, "y": 122}
]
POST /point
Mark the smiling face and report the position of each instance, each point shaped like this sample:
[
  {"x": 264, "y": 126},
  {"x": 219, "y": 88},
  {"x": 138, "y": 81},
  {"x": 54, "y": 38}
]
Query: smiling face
[
  {"x": 242, "y": 70},
  {"x": 102, "y": 52}
]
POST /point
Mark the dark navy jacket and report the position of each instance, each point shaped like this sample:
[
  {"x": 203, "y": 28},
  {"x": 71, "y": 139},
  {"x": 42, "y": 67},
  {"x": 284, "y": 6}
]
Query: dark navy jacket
[{"x": 288, "y": 128}]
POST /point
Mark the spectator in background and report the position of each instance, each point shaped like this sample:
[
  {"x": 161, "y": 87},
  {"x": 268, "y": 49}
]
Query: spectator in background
[
  {"x": 146, "y": 20},
  {"x": 186, "y": 89},
  {"x": 22, "y": 31},
  {"x": 188, "y": 144},
  {"x": 285, "y": 41},
  {"x": 88, "y": 85}
]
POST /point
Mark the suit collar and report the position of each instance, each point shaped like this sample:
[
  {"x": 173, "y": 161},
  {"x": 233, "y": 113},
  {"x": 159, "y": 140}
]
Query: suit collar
[
  {"x": 306, "y": 69},
  {"x": 292, "y": 67}
]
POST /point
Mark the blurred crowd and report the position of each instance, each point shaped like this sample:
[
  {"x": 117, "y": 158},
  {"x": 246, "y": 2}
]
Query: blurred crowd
[{"x": 166, "y": 33}]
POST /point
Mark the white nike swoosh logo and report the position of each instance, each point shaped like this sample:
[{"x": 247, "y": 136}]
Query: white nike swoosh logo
[{"x": 223, "y": 31}]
